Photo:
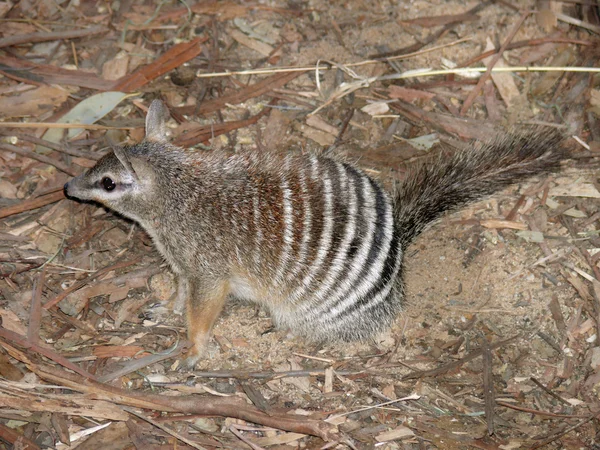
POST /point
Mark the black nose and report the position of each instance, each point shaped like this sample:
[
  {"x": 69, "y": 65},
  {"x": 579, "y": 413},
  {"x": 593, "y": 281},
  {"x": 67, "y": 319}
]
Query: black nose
[{"x": 65, "y": 189}]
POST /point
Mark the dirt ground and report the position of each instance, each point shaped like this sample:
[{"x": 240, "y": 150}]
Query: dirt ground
[{"x": 497, "y": 345}]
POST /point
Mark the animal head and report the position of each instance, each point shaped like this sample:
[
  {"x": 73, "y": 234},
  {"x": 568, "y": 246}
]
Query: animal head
[{"x": 125, "y": 179}]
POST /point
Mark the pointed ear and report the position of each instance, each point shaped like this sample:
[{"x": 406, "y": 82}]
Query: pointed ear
[
  {"x": 121, "y": 155},
  {"x": 158, "y": 114},
  {"x": 139, "y": 168},
  {"x": 124, "y": 159}
]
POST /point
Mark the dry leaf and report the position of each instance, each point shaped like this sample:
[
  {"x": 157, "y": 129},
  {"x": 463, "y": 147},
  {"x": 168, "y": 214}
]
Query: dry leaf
[
  {"x": 283, "y": 438},
  {"x": 321, "y": 137},
  {"x": 375, "y": 109},
  {"x": 116, "y": 68},
  {"x": 7, "y": 189},
  {"x": 11, "y": 322},
  {"x": 494, "y": 223},
  {"x": 118, "y": 351},
  {"x": 260, "y": 47},
  {"x": 8, "y": 370},
  {"x": 396, "y": 433},
  {"x": 567, "y": 187},
  {"x": 504, "y": 81},
  {"x": 320, "y": 124},
  {"x": 33, "y": 102},
  {"x": 547, "y": 20},
  {"x": 409, "y": 95}
]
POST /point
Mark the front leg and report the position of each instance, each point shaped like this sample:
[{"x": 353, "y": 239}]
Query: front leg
[{"x": 204, "y": 300}]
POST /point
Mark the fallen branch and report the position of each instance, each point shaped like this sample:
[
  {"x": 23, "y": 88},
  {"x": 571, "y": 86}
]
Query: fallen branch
[{"x": 209, "y": 405}]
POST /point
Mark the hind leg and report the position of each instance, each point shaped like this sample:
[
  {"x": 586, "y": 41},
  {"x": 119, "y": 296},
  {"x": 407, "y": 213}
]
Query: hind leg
[
  {"x": 179, "y": 303},
  {"x": 204, "y": 301}
]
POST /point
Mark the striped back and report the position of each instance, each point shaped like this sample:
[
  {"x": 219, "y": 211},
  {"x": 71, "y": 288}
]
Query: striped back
[{"x": 324, "y": 242}]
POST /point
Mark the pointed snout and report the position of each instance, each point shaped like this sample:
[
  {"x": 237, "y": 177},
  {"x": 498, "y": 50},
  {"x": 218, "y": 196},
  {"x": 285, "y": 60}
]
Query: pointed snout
[
  {"x": 72, "y": 189},
  {"x": 69, "y": 190}
]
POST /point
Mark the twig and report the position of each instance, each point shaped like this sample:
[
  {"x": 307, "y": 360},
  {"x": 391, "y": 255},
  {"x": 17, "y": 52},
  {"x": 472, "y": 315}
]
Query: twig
[
  {"x": 578, "y": 23},
  {"x": 242, "y": 438},
  {"x": 87, "y": 280},
  {"x": 51, "y": 36},
  {"x": 57, "y": 147},
  {"x": 526, "y": 43},
  {"x": 22, "y": 341},
  {"x": 191, "y": 404},
  {"x": 455, "y": 364},
  {"x": 379, "y": 405},
  {"x": 407, "y": 74},
  {"x": 87, "y": 126},
  {"x": 32, "y": 203},
  {"x": 467, "y": 70},
  {"x": 537, "y": 412},
  {"x": 550, "y": 392},
  {"x": 269, "y": 374},
  {"x": 475, "y": 92},
  {"x": 343, "y": 128},
  {"x": 35, "y": 312},
  {"x": 562, "y": 433},
  {"x": 164, "y": 428},
  {"x": 145, "y": 361},
  {"x": 436, "y": 35},
  {"x": 267, "y": 71},
  {"x": 41, "y": 158},
  {"x": 17, "y": 440},
  {"x": 488, "y": 387}
]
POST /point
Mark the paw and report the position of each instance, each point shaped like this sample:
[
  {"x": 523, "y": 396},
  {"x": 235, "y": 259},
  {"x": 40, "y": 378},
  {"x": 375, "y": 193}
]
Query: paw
[
  {"x": 197, "y": 353},
  {"x": 188, "y": 364}
]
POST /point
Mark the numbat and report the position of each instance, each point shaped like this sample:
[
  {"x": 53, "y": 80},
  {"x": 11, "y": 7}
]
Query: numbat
[{"x": 314, "y": 239}]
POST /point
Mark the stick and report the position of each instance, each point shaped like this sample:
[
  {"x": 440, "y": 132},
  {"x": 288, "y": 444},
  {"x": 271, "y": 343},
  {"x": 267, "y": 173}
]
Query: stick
[
  {"x": 164, "y": 428},
  {"x": 41, "y": 158},
  {"x": 32, "y": 203},
  {"x": 35, "y": 312},
  {"x": 453, "y": 365},
  {"x": 85, "y": 281},
  {"x": 52, "y": 36},
  {"x": 59, "y": 148},
  {"x": 488, "y": 73},
  {"x": 209, "y": 405},
  {"x": 22, "y": 341}
]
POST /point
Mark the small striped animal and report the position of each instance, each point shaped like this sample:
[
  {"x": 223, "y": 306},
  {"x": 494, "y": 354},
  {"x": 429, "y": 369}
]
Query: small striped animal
[{"x": 315, "y": 240}]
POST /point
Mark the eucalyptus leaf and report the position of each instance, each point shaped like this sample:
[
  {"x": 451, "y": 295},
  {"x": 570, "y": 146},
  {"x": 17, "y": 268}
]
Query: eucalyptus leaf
[{"x": 86, "y": 112}]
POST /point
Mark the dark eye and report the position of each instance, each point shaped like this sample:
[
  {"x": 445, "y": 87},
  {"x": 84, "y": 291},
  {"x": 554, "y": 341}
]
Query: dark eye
[{"x": 108, "y": 184}]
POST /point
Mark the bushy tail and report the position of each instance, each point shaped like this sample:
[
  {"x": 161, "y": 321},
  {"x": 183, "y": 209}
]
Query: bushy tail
[{"x": 469, "y": 175}]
